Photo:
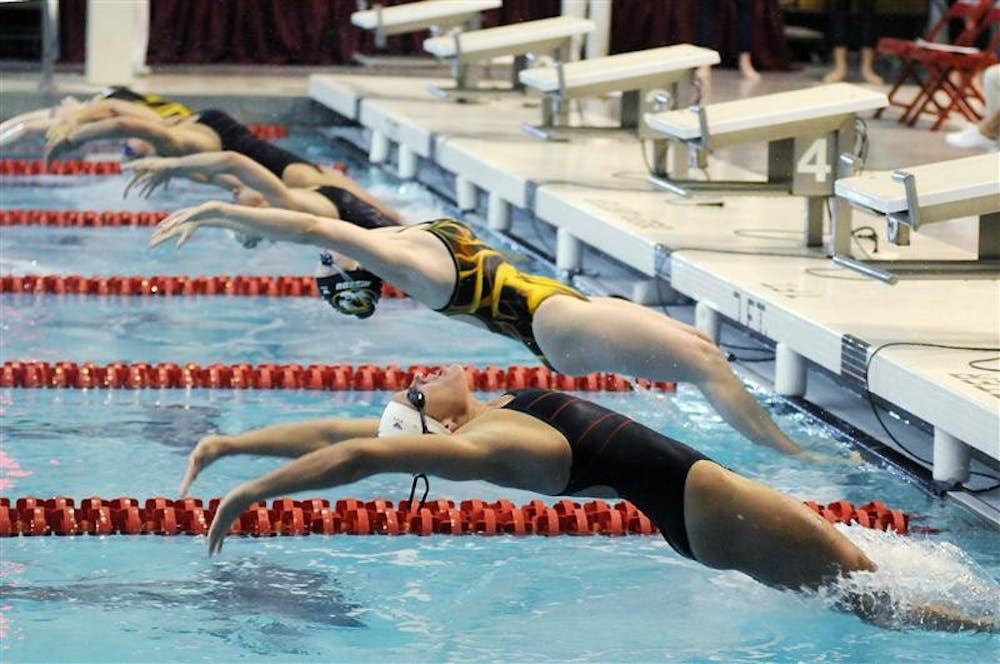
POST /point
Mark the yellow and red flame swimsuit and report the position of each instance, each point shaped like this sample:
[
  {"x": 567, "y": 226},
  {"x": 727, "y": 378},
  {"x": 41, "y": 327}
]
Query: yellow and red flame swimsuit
[{"x": 490, "y": 288}]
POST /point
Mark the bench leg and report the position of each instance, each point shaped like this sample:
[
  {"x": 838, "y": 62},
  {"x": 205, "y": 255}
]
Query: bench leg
[
  {"x": 408, "y": 163},
  {"x": 498, "y": 213},
  {"x": 680, "y": 160},
  {"x": 814, "y": 221},
  {"x": 840, "y": 228},
  {"x": 569, "y": 252},
  {"x": 989, "y": 236},
  {"x": 466, "y": 196},
  {"x": 789, "y": 372},
  {"x": 631, "y": 109},
  {"x": 658, "y": 159},
  {"x": 378, "y": 151},
  {"x": 951, "y": 459},
  {"x": 707, "y": 320},
  {"x": 840, "y": 224}
]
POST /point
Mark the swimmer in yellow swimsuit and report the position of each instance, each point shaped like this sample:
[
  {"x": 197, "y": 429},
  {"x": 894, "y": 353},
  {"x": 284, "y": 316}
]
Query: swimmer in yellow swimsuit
[
  {"x": 162, "y": 106},
  {"x": 116, "y": 101},
  {"x": 443, "y": 265},
  {"x": 489, "y": 288}
]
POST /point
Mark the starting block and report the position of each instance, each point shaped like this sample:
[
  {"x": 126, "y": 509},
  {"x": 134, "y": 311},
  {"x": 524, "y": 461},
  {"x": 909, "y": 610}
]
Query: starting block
[
  {"x": 467, "y": 49},
  {"x": 910, "y": 198},
  {"x": 433, "y": 15},
  {"x": 637, "y": 75},
  {"x": 805, "y": 131}
]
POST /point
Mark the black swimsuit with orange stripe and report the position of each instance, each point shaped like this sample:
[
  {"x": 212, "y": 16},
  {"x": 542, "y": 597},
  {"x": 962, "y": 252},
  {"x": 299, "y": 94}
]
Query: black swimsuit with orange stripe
[
  {"x": 609, "y": 449},
  {"x": 490, "y": 288}
]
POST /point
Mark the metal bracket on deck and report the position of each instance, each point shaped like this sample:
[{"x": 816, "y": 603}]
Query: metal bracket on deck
[{"x": 899, "y": 222}]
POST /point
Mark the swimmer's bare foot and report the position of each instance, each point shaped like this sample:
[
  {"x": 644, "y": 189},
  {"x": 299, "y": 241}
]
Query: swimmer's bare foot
[
  {"x": 703, "y": 75},
  {"x": 871, "y": 77},
  {"x": 835, "y": 75},
  {"x": 747, "y": 68}
]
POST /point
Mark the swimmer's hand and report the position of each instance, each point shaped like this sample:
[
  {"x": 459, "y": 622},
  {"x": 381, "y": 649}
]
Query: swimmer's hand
[
  {"x": 852, "y": 459},
  {"x": 149, "y": 174},
  {"x": 58, "y": 141},
  {"x": 208, "y": 450},
  {"x": 231, "y": 507},
  {"x": 183, "y": 223},
  {"x": 268, "y": 223}
]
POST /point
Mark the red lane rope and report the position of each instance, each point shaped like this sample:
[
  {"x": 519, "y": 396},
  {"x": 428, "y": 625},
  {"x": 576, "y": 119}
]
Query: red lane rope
[
  {"x": 164, "y": 285},
  {"x": 87, "y": 218},
  {"x": 31, "y": 516},
  {"x": 69, "y": 167},
  {"x": 268, "y": 131},
  {"x": 335, "y": 377}
]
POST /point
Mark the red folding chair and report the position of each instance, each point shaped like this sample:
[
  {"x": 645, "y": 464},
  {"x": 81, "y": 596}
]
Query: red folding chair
[
  {"x": 970, "y": 12},
  {"x": 952, "y": 73}
]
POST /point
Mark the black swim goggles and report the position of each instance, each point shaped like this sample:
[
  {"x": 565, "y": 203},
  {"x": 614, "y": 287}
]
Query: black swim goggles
[{"x": 417, "y": 399}]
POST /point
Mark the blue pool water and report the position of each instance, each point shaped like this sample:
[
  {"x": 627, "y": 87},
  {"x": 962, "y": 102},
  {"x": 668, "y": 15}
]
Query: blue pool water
[{"x": 376, "y": 598}]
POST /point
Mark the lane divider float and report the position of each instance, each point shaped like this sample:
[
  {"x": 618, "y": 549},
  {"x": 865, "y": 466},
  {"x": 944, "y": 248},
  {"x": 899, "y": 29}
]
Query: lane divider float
[
  {"x": 159, "y": 285},
  {"x": 64, "y": 167},
  {"x": 166, "y": 286},
  {"x": 77, "y": 167},
  {"x": 32, "y": 516},
  {"x": 329, "y": 377},
  {"x": 80, "y": 218}
]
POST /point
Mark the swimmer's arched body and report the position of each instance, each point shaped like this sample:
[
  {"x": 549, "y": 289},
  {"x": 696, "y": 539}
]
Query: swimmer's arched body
[
  {"x": 211, "y": 146},
  {"x": 109, "y": 103},
  {"x": 256, "y": 185},
  {"x": 443, "y": 265},
  {"x": 558, "y": 444},
  {"x": 214, "y": 131}
]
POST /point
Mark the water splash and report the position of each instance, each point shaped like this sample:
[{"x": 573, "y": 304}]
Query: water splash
[{"x": 915, "y": 573}]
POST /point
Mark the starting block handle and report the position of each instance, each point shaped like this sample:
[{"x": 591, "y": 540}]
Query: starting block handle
[
  {"x": 705, "y": 140},
  {"x": 912, "y": 216}
]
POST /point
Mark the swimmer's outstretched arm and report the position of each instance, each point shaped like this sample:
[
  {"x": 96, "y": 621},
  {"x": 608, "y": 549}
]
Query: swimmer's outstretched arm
[
  {"x": 64, "y": 137},
  {"x": 452, "y": 457},
  {"x": 101, "y": 109},
  {"x": 879, "y": 609},
  {"x": 220, "y": 168},
  {"x": 22, "y": 127},
  {"x": 283, "y": 440}
]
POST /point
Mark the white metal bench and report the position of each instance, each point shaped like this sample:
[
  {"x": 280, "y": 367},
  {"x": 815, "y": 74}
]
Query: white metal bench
[
  {"x": 434, "y": 15},
  {"x": 635, "y": 74},
  {"x": 466, "y": 49},
  {"x": 805, "y": 130},
  {"x": 912, "y": 197}
]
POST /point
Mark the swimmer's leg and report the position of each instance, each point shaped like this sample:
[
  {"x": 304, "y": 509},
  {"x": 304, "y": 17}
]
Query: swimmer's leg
[{"x": 609, "y": 334}]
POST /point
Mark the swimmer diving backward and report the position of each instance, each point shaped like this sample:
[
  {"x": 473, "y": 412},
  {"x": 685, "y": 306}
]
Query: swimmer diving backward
[
  {"x": 213, "y": 131},
  {"x": 446, "y": 267},
  {"x": 212, "y": 147},
  {"x": 349, "y": 288},
  {"x": 70, "y": 111},
  {"x": 558, "y": 444}
]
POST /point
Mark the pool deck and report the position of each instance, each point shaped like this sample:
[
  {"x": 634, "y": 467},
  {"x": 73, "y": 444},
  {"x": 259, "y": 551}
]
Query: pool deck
[{"x": 716, "y": 248}]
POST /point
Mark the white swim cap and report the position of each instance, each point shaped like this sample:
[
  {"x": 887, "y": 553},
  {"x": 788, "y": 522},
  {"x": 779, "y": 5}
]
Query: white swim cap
[{"x": 398, "y": 419}]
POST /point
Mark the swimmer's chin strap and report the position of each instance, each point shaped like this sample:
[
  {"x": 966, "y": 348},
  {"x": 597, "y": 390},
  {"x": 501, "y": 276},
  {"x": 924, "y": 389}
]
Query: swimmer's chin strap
[{"x": 413, "y": 491}]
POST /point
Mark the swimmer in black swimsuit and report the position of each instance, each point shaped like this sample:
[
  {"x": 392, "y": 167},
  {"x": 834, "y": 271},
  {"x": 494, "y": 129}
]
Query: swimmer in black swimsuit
[
  {"x": 443, "y": 265},
  {"x": 349, "y": 288},
  {"x": 213, "y": 131},
  {"x": 212, "y": 147},
  {"x": 557, "y": 444}
]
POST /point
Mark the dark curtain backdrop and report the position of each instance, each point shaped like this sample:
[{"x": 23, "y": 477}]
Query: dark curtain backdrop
[{"x": 319, "y": 32}]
